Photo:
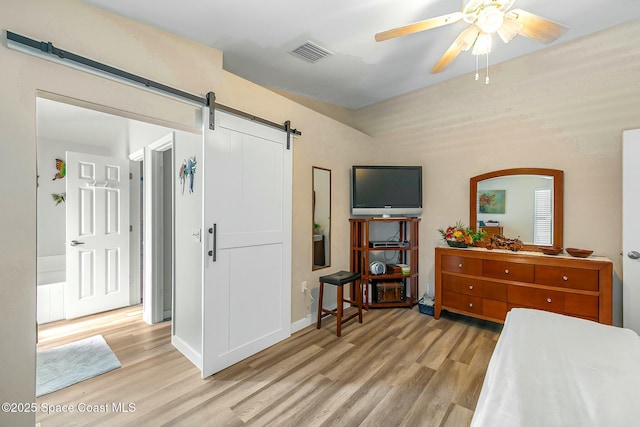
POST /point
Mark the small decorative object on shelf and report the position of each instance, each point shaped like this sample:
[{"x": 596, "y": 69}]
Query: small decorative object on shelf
[
  {"x": 579, "y": 253},
  {"x": 498, "y": 241},
  {"x": 389, "y": 292},
  {"x": 460, "y": 236},
  {"x": 550, "y": 250}
]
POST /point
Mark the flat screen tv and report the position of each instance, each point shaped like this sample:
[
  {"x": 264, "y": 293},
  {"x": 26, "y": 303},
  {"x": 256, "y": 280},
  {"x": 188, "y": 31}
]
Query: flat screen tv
[{"x": 386, "y": 191}]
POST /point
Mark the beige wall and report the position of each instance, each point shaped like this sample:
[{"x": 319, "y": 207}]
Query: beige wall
[
  {"x": 341, "y": 114},
  {"x": 562, "y": 108},
  {"x": 162, "y": 57}
]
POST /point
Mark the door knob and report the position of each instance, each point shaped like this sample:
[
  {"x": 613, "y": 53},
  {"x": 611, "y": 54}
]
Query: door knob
[
  {"x": 634, "y": 254},
  {"x": 76, "y": 243}
]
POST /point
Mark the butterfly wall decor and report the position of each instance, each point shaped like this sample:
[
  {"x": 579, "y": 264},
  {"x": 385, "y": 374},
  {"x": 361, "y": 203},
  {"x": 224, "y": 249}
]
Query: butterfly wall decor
[
  {"x": 62, "y": 169},
  {"x": 58, "y": 197}
]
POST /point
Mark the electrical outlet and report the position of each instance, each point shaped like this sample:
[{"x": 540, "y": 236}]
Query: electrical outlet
[{"x": 304, "y": 287}]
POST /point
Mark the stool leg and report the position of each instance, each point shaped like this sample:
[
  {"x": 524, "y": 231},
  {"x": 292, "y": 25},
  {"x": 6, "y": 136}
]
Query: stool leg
[
  {"x": 359, "y": 302},
  {"x": 339, "y": 308},
  {"x": 320, "y": 305}
]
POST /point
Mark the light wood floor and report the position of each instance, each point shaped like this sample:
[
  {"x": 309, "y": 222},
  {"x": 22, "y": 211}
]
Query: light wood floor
[{"x": 398, "y": 368}]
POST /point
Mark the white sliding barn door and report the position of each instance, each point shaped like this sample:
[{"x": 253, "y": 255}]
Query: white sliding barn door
[
  {"x": 247, "y": 261},
  {"x": 97, "y": 234},
  {"x": 631, "y": 229}
]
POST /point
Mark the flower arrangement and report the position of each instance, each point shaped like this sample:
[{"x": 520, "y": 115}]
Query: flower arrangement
[{"x": 460, "y": 235}]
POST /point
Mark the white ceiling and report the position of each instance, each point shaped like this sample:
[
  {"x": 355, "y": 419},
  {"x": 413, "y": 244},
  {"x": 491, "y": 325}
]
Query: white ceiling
[{"x": 256, "y": 37}]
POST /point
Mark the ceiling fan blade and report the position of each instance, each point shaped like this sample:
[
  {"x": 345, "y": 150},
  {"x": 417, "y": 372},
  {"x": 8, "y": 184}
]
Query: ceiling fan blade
[
  {"x": 536, "y": 27},
  {"x": 416, "y": 27},
  {"x": 509, "y": 29},
  {"x": 463, "y": 42}
]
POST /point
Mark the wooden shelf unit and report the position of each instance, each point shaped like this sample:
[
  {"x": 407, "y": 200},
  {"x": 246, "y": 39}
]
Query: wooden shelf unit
[
  {"x": 361, "y": 257},
  {"x": 488, "y": 283}
]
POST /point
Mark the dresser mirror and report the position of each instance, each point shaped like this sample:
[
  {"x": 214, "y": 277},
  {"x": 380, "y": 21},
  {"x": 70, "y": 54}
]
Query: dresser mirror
[
  {"x": 524, "y": 203},
  {"x": 321, "y": 224}
]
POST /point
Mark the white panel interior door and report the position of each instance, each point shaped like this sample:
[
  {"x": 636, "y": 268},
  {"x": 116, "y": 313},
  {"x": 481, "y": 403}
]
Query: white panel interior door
[
  {"x": 631, "y": 230},
  {"x": 247, "y": 207},
  {"x": 97, "y": 234}
]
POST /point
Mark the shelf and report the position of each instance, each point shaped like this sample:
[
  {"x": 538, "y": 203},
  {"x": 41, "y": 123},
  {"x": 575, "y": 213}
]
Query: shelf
[
  {"x": 398, "y": 229},
  {"x": 392, "y": 248},
  {"x": 389, "y": 276},
  {"x": 391, "y": 305}
]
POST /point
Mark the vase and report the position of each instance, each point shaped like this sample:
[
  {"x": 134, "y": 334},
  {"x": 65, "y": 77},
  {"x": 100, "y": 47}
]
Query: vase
[{"x": 456, "y": 244}]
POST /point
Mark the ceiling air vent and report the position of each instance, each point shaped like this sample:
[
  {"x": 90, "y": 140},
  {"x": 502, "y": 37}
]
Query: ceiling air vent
[{"x": 310, "y": 52}]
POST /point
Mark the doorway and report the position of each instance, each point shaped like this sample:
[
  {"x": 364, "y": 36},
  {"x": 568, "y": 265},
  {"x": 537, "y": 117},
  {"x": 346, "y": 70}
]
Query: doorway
[
  {"x": 158, "y": 227},
  {"x": 63, "y": 127}
]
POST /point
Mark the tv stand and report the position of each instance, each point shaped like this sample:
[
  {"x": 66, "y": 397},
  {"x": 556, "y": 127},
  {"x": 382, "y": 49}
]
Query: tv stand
[
  {"x": 394, "y": 288},
  {"x": 389, "y": 216}
]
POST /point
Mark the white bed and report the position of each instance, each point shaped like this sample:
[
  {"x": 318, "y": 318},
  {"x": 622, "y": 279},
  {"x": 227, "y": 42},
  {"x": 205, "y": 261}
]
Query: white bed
[{"x": 553, "y": 370}]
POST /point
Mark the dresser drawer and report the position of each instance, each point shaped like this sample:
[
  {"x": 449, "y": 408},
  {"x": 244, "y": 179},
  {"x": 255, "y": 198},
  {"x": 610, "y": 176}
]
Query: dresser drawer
[
  {"x": 593, "y": 318},
  {"x": 475, "y": 305},
  {"x": 567, "y": 277},
  {"x": 494, "y": 309},
  {"x": 462, "y": 302},
  {"x": 459, "y": 264},
  {"x": 475, "y": 287},
  {"x": 508, "y": 270},
  {"x": 557, "y": 301}
]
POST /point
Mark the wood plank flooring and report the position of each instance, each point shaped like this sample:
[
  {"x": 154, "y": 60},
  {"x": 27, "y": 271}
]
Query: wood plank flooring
[{"x": 398, "y": 368}]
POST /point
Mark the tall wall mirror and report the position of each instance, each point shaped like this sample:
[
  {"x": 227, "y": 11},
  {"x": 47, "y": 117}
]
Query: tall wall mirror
[
  {"x": 524, "y": 203},
  {"x": 321, "y": 237}
]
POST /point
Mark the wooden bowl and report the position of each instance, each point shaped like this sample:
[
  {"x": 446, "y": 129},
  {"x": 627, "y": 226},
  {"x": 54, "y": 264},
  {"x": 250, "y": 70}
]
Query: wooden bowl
[
  {"x": 550, "y": 251},
  {"x": 579, "y": 253}
]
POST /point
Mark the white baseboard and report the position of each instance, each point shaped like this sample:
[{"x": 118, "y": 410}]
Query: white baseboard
[
  {"x": 311, "y": 319},
  {"x": 303, "y": 323},
  {"x": 187, "y": 351}
]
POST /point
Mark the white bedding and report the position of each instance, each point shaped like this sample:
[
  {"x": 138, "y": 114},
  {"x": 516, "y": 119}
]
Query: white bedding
[{"x": 553, "y": 370}]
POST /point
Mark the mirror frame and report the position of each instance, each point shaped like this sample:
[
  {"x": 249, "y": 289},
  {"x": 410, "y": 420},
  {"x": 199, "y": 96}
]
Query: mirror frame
[
  {"x": 313, "y": 209},
  {"x": 558, "y": 196}
]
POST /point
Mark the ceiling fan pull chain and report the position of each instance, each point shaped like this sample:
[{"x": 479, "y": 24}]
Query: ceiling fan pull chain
[
  {"x": 477, "y": 74},
  {"x": 486, "y": 81}
]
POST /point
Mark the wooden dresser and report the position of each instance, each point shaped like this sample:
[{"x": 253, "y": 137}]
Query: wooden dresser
[{"x": 487, "y": 283}]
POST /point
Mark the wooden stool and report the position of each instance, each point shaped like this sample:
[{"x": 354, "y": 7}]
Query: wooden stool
[{"x": 340, "y": 279}]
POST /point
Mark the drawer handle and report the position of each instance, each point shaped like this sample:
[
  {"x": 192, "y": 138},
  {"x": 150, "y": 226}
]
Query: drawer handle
[
  {"x": 549, "y": 300},
  {"x": 460, "y": 265},
  {"x": 470, "y": 305},
  {"x": 565, "y": 278},
  {"x": 506, "y": 271},
  {"x": 470, "y": 287}
]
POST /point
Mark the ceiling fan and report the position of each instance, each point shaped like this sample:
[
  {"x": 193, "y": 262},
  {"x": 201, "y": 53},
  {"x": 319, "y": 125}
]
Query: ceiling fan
[{"x": 484, "y": 17}]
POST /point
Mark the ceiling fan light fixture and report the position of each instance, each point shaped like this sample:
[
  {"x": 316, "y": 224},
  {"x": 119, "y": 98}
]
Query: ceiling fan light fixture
[
  {"x": 490, "y": 19},
  {"x": 509, "y": 29},
  {"x": 482, "y": 46}
]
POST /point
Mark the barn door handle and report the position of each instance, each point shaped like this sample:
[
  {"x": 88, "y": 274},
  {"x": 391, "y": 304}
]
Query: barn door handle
[
  {"x": 634, "y": 254},
  {"x": 213, "y": 231},
  {"x": 76, "y": 243}
]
